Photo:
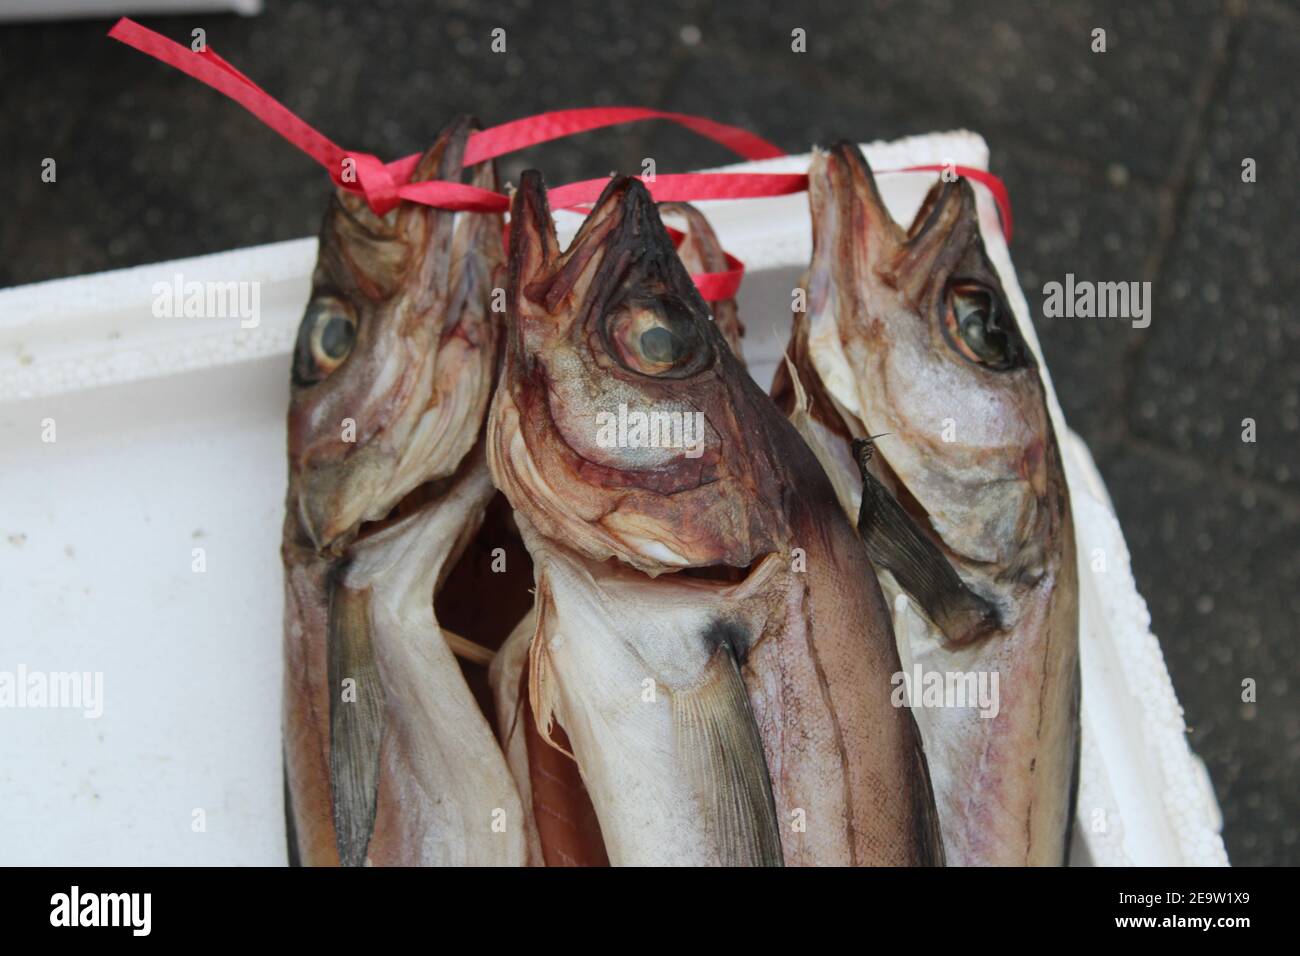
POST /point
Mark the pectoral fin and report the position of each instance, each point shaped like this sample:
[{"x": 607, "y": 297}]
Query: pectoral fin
[
  {"x": 719, "y": 741},
  {"x": 894, "y": 542},
  {"x": 356, "y": 721},
  {"x": 929, "y": 837},
  {"x": 290, "y": 827}
]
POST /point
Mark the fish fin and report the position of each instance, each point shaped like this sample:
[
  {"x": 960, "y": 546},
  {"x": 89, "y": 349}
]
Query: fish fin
[
  {"x": 290, "y": 826},
  {"x": 929, "y": 835},
  {"x": 800, "y": 405},
  {"x": 356, "y": 724},
  {"x": 1078, "y": 764},
  {"x": 723, "y": 752},
  {"x": 541, "y": 678},
  {"x": 468, "y": 650},
  {"x": 520, "y": 703},
  {"x": 897, "y": 544}
]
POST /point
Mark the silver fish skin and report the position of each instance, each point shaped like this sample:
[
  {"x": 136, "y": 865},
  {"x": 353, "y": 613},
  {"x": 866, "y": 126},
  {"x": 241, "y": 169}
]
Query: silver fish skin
[{"x": 910, "y": 347}]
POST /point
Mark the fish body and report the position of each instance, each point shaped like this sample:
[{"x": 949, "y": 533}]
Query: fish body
[
  {"x": 910, "y": 348},
  {"x": 388, "y": 758},
  {"x": 708, "y": 632}
]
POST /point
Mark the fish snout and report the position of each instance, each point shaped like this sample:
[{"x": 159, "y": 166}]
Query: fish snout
[
  {"x": 318, "y": 516},
  {"x": 332, "y": 502}
]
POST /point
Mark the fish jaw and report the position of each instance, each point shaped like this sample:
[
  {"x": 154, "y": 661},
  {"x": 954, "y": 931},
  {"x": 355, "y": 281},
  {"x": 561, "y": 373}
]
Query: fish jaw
[
  {"x": 555, "y": 444},
  {"x": 402, "y": 403}
]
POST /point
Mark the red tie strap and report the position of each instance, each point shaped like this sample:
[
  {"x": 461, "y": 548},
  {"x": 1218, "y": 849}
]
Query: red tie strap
[{"x": 385, "y": 185}]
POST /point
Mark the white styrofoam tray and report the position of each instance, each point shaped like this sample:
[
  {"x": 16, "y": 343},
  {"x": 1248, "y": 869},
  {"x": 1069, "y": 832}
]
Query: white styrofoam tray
[
  {"x": 66, "y": 9},
  {"x": 169, "y": 437}
]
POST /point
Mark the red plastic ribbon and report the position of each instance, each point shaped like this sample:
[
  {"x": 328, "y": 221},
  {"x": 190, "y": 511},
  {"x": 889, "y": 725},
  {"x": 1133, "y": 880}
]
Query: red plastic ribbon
[
  {"x": 521, "y": 133},
  {"x": 684, "y": 187},
  {"x": 382, "y": 184},
  {"x": 714, "y": 286},
  {"x": 982, "y": 176},
  {"x": 385, "y": 185}
]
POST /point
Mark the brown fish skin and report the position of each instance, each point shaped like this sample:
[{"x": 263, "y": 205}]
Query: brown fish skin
[
  {"x": 904, "y": 330},
  {"x": 815, "y": 647},
  {"x": 397, "y": 344},
  {"x": 701, "y": 252}
]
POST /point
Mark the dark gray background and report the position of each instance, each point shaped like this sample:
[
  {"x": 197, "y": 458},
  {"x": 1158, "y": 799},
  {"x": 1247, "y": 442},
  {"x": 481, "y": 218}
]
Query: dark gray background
[{"x": 1122, "y": 166}]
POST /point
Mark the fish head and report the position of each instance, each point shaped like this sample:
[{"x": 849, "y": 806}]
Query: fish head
[
  {"x": 624, "y": 425},
  {"x": 914, "y": 336},
  {"x": 395, "y": 353}
]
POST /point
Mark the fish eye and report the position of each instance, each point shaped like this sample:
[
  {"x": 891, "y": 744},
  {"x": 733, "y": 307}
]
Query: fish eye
[
  {"x": 980, "y": 328},
  {"x": 659, "y": 344},
  {"x": 659, "y": 337},
  {"x": 325, "y": 338}
]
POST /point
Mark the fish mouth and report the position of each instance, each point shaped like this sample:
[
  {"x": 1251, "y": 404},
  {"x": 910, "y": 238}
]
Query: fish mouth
[{"x": 332, "y": 530}]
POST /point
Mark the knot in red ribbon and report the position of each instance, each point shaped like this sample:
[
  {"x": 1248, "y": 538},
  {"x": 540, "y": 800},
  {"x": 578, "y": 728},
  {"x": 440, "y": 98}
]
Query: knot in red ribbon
[{"x": 367, "y": 174}]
